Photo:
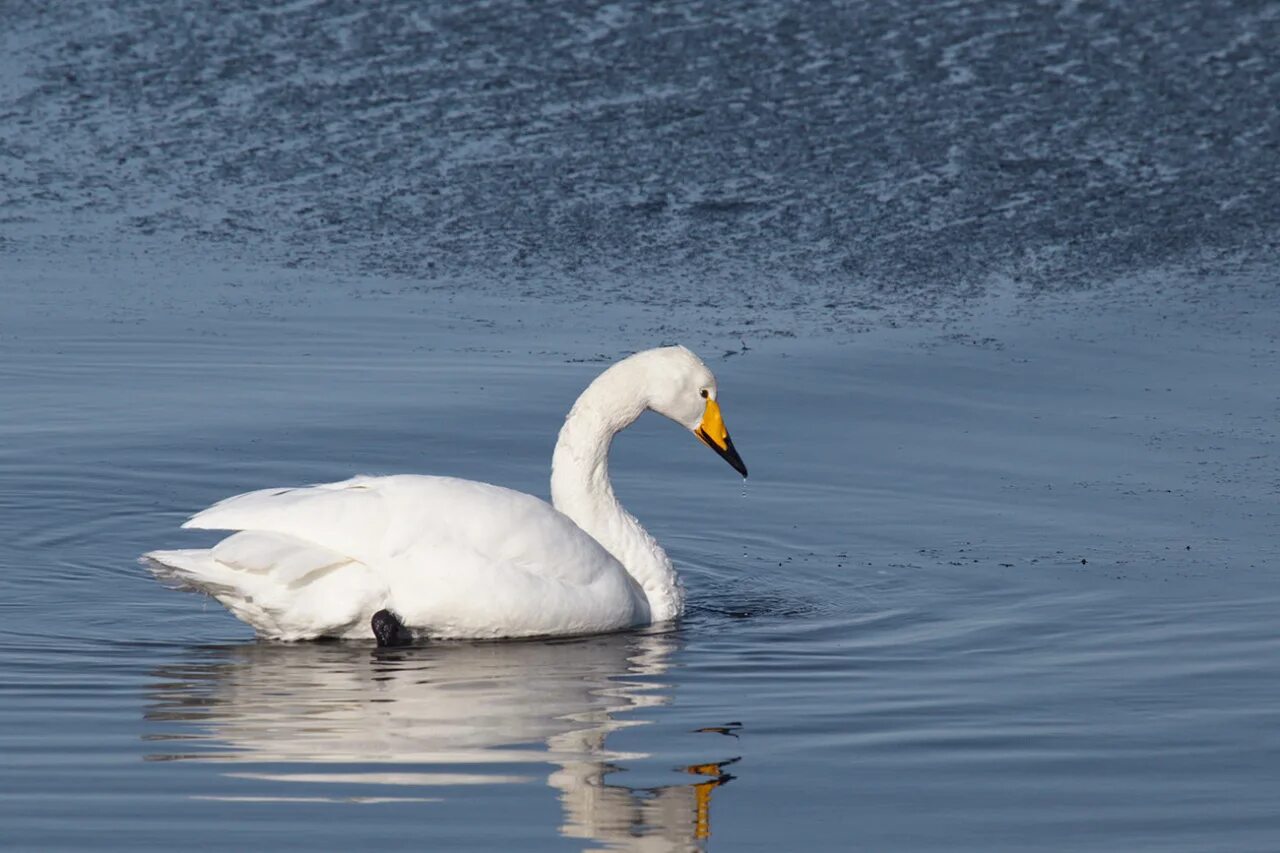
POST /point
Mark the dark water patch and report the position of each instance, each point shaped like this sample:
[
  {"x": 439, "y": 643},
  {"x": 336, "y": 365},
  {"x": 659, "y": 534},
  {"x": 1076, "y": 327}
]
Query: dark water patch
[
  {"x": 786, "y": 157},
  {"x": 742, "y": 607}
]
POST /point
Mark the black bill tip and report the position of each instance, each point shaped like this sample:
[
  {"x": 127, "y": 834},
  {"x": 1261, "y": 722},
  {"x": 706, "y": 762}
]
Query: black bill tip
[{"x": 729, "y": 453}]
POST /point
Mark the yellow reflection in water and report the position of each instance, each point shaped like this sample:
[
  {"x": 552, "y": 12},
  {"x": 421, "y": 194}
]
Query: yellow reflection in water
[{"x": 528, "y": 703}]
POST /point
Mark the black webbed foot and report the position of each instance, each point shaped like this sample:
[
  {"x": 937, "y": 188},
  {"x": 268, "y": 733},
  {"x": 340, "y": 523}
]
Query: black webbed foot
[{"x": 388, "y": 630}]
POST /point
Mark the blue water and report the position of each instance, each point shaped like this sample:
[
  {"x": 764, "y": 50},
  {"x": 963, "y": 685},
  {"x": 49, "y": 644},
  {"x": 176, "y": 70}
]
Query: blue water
[{"x": 990, "y": 291}]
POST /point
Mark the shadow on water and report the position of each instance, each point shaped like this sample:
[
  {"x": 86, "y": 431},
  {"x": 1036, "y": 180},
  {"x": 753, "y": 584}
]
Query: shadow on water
[{"x": 426, "y": 724}]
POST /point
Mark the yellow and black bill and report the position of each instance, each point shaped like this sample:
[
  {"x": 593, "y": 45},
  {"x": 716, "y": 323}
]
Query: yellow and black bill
[{"x": 713, "y": 434}]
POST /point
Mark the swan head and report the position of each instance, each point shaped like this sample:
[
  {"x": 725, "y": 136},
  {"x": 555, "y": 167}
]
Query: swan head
[{"x": 682, "y": 388}]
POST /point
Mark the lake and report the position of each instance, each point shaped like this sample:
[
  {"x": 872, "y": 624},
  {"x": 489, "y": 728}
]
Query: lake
[{"x": 991, "y": 295}]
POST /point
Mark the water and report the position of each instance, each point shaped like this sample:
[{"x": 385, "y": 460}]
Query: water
[{"x": 991, "y": 295}]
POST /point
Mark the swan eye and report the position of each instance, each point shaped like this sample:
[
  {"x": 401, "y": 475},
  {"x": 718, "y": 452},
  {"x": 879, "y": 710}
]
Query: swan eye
[{"x": 703, "y": 392}]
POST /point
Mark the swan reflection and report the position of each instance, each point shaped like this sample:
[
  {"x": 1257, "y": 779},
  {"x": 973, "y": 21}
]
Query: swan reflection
[{"x": 442, "y": 716}]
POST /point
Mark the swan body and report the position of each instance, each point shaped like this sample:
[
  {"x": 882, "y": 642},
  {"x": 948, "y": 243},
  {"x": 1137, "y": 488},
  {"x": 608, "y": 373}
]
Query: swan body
[{"x": 458, "y": 558}]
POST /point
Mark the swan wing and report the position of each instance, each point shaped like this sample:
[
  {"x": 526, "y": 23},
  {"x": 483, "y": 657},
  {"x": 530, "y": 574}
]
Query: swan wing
[
  {"x": 437, "y": 523},
  {"x": 290, "y": 561},
  {"x": 321, "y": 513}
]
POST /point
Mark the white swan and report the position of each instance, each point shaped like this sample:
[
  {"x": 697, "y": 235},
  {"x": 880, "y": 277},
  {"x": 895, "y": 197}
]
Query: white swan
[{"x": 443, "y": 557}]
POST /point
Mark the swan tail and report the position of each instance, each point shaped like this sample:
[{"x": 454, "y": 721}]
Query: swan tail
[
  {"x": 283, "y": 588},
  {"x": 192, "y": 569},
  {"x": 196, "y": 570}
]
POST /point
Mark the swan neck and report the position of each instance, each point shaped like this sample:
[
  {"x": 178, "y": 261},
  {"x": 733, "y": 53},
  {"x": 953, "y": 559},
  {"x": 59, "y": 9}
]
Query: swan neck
[{"x": 581, "y": 489}]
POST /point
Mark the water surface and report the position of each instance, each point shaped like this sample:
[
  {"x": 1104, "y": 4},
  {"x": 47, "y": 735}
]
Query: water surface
[{"x": 991, "y": 295}]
